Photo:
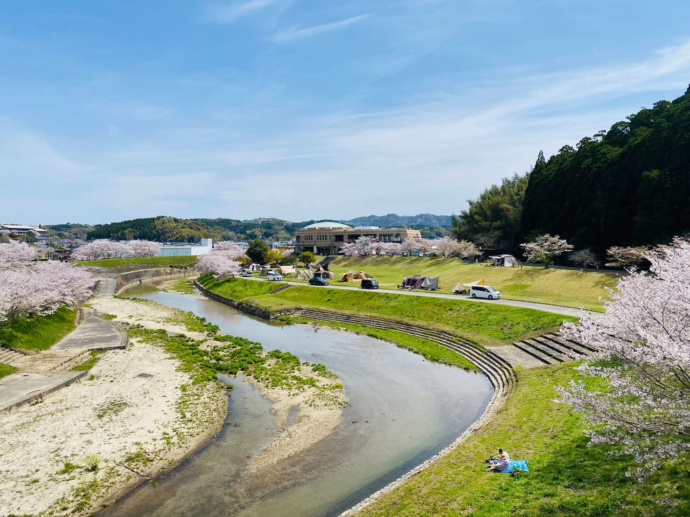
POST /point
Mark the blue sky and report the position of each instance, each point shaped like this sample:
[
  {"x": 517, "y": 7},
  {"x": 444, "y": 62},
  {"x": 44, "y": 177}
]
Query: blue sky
[{"x": 306, "y": 109}]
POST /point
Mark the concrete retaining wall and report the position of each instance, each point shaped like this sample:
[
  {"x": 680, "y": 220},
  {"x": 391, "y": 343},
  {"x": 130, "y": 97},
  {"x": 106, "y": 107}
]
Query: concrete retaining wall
[{"x": 126, "y": 280}]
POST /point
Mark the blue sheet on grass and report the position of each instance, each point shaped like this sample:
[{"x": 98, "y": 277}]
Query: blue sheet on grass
[{"x": 516, "y": 465}]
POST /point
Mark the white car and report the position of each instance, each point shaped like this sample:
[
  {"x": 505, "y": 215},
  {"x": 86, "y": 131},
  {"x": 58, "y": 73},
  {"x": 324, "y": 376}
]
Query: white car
[
  {"x": 484, "y": 291},
  {"x": 275, "y": 276},
  {"x": 246, "y": 272}
]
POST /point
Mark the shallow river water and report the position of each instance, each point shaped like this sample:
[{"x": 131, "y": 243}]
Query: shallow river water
[{"x": 403, "y": 409}]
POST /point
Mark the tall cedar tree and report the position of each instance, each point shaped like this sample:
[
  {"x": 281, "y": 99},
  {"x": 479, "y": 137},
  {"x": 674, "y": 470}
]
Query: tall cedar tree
[
  {"x": 493, "y": 220},
  {"x": 626, "y": 187}
]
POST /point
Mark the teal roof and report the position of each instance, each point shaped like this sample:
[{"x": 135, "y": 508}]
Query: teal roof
[{"x": 325, "y": 225}]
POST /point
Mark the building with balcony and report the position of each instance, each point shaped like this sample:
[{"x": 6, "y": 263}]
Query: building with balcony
[{"x": 327, "y": 237}]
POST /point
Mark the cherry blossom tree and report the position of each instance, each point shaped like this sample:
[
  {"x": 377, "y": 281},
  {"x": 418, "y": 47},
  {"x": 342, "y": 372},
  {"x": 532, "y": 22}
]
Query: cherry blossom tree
[
  {"x": 643, "y": 348},
  {"x": 468, "y": 250},
  {"x": 143, "y": 248},
  {"x": 544, "y": 249},
  {"x": 231, "y": 249},
  {"x": 583, "y": 258},
  {"x": 218, "y": 263},
  {"x": 445, "y": 247},
  {"x": 16, "y": 254},
  {"x": 41, "y": 289},
  {"x": 388, "y": 249},
  {"x": 362, "y": 247},
  {"x": 101, "y": 249},
  {"x": 625, "y": 257}
]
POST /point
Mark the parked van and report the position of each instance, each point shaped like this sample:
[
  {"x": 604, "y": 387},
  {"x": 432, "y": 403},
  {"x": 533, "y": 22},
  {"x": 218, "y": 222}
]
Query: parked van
[
  {"x": 484, "y": 291},
  {"x": 275, "y": 276},
  {"x": 246, "y": 272}
]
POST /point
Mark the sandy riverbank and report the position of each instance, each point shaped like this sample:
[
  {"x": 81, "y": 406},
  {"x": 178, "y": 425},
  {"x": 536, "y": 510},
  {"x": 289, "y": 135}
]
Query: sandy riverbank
[
  {"x": 91, "y": 442},
  {"x": 320, "y": 406}
]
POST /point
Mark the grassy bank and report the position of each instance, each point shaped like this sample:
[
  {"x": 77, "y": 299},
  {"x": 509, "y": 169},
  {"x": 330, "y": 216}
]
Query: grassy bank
[
  {"x": 39, "y": 333},
  {"x": 6, "y": 369},
  {"x": 567, "y": 477},
  {"x": 479, "y": 322},
  {"x": 427, "y": 349},
  {"x": 554, "y": 286},
  {"x": 141, "y": 261}
]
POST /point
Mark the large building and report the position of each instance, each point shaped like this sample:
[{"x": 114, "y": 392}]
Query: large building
[
  {"x": 19, "y": 229},
  {"x": 186, "y": 250},
  {"x": 327, "y": 237}
]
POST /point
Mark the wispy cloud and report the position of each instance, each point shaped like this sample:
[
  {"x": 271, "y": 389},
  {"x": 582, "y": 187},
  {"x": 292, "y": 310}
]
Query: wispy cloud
[
  {"x": 228, "y": 13},
  {"x": 296, "y": 33}
]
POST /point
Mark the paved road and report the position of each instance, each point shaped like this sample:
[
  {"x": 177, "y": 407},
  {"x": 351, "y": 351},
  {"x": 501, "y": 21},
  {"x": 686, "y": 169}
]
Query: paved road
[{"x": 556, "y": 309}]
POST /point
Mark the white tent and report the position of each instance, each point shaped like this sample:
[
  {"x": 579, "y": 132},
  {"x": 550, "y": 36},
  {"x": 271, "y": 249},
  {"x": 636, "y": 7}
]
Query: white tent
[{"x": 504, "y": 261}]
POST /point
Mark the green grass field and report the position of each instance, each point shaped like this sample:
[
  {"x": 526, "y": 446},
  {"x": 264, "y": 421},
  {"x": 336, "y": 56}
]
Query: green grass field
[
  {"x": 39, "y": 333},
  {"x": 567, "y": 477},
  {"x": 6, "y": 369},
  {"x": 142, "y": 261},
  {"x": 553, "y": 286},
  {"x": 479, "y": 322}
]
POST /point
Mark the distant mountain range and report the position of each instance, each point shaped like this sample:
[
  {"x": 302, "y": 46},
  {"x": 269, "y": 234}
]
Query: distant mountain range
[
  {"x": 408, "y": 221},
  {"x": 188, "y": 230}
]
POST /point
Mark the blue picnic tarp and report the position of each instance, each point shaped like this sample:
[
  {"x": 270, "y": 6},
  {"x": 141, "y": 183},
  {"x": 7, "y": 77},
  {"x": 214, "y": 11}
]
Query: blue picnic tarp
[{"x": 516, "y": 465}]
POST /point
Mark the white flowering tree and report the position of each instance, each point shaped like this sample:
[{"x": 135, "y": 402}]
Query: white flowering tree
[
  {"x": 101, "y": 249},
  {"x": 362, "y": 247},
  {"x": 15, "y": 255},
  {"x": 468, "y": 250},
  {"x": 143, "y": 248},
  {"x": 625, "y": 257},
  {"x": 41, "y": 289},
  {"x": 643, "y": 348},
  {"x": 583, "y": 258},
  {"x": 545, "y": 249},
  {"x": 223, "y": 261}
]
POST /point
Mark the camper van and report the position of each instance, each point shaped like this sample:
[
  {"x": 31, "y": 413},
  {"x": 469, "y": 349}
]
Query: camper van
[{"x": 484, "y": 291}]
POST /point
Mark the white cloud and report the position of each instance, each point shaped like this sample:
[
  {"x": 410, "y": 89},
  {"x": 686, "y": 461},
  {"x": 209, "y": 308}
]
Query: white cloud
[
  {"x": 296, "y": 33},
  {"x": 230, "y": 12}
]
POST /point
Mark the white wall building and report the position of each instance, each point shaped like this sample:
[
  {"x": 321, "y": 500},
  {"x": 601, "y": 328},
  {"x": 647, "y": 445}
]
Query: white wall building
[{"x": 186, "y": 250}]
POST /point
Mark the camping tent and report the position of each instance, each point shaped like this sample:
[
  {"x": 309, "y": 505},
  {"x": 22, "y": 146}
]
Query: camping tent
[
  {"x": 326, "y": 275},
  {"x": 286, "y": 270},
  {"x": 412, "y": 282},
  {"x": 304, "y": 274},
  {"x": 504, "y": 261},
  {"x": 352, "y": 276},
  {"x": 459, "y": 289},
  {"x": 430, "y": 284}
]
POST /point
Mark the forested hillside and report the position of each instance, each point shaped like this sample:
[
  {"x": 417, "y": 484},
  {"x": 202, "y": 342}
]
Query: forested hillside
[
  {"x": 629, "y": 185},
  {"x": 188, "y": 230}
]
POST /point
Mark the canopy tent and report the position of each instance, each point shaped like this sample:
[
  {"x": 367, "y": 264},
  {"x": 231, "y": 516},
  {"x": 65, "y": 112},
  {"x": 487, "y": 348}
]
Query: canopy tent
[
  {"x": 352, "y": 276},
  {"x": 504, "y": 261},
  {"x": 459, "y": 289},
  {"x": 430, "y": 284},
  {"x": 478, "y": 282},
  {"x": 304, "y": 274},
  {"x": 286, "y": 270}
]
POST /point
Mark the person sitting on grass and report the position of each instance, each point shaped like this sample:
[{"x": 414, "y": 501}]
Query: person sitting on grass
[{"x": 500, "y": 462}]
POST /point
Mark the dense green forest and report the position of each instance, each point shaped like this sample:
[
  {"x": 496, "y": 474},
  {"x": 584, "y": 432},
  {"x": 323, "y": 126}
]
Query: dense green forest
[
  {"x": 627, "y": 186},
  {"x": 493, "y": 220},
  {"x": 168, "y": 229}
]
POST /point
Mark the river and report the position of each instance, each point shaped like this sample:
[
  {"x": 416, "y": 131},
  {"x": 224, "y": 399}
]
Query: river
[{"x": 403, "y": 409}]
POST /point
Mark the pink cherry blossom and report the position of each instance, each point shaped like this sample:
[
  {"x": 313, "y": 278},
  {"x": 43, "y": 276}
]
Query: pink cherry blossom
[
  {"x": 643, "y": 348},
  {"x": 16, "y": 254}
]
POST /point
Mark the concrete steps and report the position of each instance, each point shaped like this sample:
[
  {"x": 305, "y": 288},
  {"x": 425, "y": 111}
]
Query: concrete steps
[
  {"x": 281, "y": 289},
  {"x": 553, "y": 349},
  {"x": 11, "y": 357},
  {"x": 498, "y": 370}
]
